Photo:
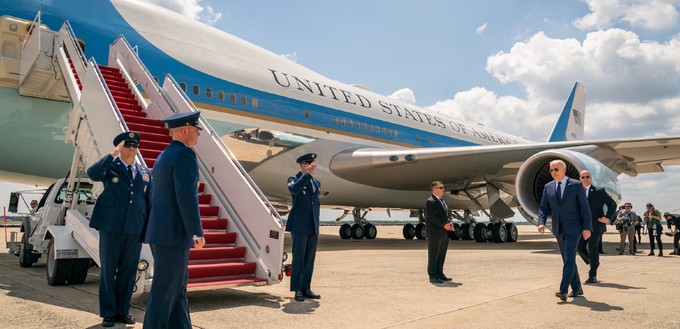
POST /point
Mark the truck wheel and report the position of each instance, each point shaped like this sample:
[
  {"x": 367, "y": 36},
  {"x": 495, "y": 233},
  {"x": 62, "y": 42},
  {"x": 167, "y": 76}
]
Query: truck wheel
[
  {"x": 79, "y": 271},
  {"x": 26, "y": 257},
  {"x": 57, "y": 269}
]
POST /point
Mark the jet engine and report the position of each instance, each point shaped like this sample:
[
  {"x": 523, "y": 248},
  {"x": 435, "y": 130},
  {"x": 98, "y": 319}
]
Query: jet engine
[{"x": 533, "y": 175}]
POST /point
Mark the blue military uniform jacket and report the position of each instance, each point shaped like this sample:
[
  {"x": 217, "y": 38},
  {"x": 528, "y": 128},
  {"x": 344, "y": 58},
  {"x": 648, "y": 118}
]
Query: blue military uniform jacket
[
  {"x": 175, "y": 216},
  {"x": 573, "y": 211},
  {"x": 304, "y": 215},
  {"x": 124, "y": 205}
]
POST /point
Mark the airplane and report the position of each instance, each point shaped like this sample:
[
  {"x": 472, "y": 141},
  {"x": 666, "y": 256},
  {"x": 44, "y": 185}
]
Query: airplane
[{"x": 373, "y": 151}]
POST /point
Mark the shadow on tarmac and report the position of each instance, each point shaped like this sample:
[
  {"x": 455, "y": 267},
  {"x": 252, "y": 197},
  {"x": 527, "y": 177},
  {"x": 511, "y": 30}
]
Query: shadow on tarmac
[
  {"x": 595, "y": 306},
  {"x": 295, "y": 307}
]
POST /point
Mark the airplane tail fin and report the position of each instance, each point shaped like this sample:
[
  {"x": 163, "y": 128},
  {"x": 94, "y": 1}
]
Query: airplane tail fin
[{"x": 569, "y": 125}]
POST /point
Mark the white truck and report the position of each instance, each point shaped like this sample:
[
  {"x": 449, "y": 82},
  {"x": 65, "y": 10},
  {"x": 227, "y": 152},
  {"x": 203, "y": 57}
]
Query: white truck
[{"x": 60, "y": 230}]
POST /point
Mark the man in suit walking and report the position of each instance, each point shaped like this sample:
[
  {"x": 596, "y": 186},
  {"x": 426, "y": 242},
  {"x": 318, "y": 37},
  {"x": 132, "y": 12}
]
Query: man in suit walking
[
  {"x": 565, "y": 201},
  {"x": 303, "y": 225},
  {"x": 597, "y": 200},
  {"x": 119, "y": 215},
  {"x": 174, "y": 224},
  {"x": 437, "y": 224}
]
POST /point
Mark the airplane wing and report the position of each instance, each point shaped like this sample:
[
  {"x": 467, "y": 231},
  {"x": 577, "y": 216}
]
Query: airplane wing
[{"x": 413, "y": 169}]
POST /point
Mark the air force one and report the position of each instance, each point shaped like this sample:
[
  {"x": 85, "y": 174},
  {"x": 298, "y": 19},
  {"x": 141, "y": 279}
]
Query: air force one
[{"x": 373, "y": 151}]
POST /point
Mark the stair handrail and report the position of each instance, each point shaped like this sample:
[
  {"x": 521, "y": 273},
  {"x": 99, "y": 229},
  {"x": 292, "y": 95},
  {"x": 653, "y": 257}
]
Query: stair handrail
[
  {"x": 142, "y": 75},
  {"x": 29, "y": 56},
  {"x": 74, "y": 47},
  {"x": 227, "y": 151},
  {"x": 33, "y": 24}
]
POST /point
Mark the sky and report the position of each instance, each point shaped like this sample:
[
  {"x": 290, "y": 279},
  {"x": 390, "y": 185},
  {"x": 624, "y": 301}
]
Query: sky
[{"x": 509, "y": 65}]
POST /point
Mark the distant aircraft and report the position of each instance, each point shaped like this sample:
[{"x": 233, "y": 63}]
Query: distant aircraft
[{"x": 373, "y": 151}]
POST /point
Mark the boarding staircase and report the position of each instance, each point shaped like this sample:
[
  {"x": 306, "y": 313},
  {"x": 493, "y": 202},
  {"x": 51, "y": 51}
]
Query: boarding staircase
[{"x": 243, "y": 231}]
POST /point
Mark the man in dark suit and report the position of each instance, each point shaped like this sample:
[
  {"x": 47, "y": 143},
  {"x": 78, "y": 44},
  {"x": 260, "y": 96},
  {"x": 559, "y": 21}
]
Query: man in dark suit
[
  {"x": 565, "y": 201},
  {"x": 303, "y": 225},
  {"x": 437, "y": 224},
  {"x": 119, "y": 215},
  {"x": 597, "y": 199},
  {"x": 174, "y": 224}
]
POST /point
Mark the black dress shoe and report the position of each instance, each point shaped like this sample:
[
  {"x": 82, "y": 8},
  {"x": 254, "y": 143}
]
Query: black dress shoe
[
  {"x": 436, "y": 280},
  {"x": 127, "y": 319},
  {"x": 299, "y": 296},
  {"x": 311, "y": 294},
  {"x": 576, "y": 293},
  {"x": 584, "y": 256},
  {"x": 108, "y": 321},
  {"x": 445, "y": 278},
  {"x": 561, "y": 295},
  {"x": 591, "y": 280}
]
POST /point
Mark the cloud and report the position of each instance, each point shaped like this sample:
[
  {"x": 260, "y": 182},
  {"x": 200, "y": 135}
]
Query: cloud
[
  {"x": 480, "y": 29},
  {"x": 405, "y": 95},
  {"x": 191, "y": 9},
  {"x": 632, "y": 86},
  {"x": 653, "y": 15},
  {"x": 292, "y": 57}
]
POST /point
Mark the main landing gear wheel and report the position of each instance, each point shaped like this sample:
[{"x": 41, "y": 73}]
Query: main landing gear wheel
[
  {"x": 421, "y": 232},
  {"x": 511, "y": 228},
  {"x": 371, "y": 231},
  {"x": 346, "y": 231},
  {"x": 468, "y": 231},
  {"x": 357, "y": 232},
  {"x": 409, "y": 231},
  {"x": 499, "y": 233},
  {"x": 480, "y": 232}
]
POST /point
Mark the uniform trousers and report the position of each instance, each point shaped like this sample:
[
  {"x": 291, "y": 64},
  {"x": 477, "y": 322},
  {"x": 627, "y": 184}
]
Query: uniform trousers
[
  {"x": 168, "y": 306},
  {"x": 304, "y": 253},
  {"x": 118, "y": 258}
]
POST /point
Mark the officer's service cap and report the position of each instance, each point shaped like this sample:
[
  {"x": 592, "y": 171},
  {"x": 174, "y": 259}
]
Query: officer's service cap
[
  {"x": 183, "y": 119},
  {"x": 129, "y": 137},
  {"x": 309, "y": 157}
]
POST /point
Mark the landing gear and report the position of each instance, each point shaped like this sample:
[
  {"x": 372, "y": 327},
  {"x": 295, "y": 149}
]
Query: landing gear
[
  {"x": 421, "y": 232},
  {"x": 409, "y": 231},
  {"x": 346, "y": 231},
  {"x": 511, "y": 229},
  {"x": 468, "y": 231},
  {"x": 360, "y": 229},
  {"x": 499, "y": 233}
]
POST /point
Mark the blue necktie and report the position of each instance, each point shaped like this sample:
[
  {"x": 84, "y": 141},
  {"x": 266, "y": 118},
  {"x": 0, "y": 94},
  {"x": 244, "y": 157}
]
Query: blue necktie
[
  {"x": 130, "y": 172},
  {"x": 559, "y": 192}
]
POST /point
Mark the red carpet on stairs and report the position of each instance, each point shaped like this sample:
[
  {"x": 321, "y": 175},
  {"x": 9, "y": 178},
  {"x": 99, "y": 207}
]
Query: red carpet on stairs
[{"x": 220, "y": 262}]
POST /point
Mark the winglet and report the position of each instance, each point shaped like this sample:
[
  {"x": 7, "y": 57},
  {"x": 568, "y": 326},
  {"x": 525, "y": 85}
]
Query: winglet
[{"x": 569, "y": 125}]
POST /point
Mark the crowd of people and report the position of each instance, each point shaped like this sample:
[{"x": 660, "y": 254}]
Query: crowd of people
[{"x": 632, "y": 226}]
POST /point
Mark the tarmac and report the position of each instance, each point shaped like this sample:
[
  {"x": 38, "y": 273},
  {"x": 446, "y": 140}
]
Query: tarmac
[{"x": 383, "y": 283}]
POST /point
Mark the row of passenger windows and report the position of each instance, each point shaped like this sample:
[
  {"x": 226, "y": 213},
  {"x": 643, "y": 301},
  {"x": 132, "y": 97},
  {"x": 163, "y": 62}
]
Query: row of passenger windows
[
  {"x": 221, "y": 95},
  {"x": 196, "y": 90},
  {"x": 367, "y": 127}
]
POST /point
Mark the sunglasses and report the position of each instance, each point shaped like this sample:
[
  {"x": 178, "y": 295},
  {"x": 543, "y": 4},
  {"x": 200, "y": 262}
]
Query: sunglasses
[
  {"x": 585, "y": 176},
  {"x": 131, "y": 145},
  {"x": 554, "y": 169},
  {"x": 439, "y": 187},
  {"x": 306, "y": 162}
]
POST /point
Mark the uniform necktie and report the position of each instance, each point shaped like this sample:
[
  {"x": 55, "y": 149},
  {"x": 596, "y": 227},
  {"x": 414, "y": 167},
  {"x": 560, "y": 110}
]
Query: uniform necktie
[
  {"x": 130, "y": 172},
  {"x": 559, "y": 192}
]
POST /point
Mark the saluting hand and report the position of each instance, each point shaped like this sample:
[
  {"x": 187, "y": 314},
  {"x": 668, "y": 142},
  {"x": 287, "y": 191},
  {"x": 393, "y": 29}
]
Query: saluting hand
[
  {"x": 310, "y": 169},
  {"x": 117, "y": 149}
]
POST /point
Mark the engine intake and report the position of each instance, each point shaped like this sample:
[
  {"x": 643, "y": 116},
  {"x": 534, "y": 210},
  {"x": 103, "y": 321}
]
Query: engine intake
[{"x": 533, "y": 175}]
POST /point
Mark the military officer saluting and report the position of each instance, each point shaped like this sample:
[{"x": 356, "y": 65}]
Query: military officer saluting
[
  {"x": 174, "y": 224},
  {"x": 303, "y": 225},
  {"x": 119, "y": 215}
]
